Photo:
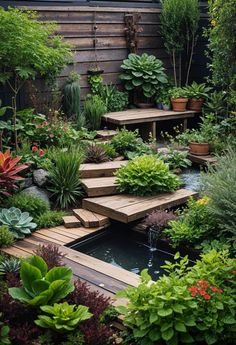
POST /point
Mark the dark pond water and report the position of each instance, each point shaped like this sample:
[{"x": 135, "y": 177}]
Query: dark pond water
[{"x": 129, "y": 252}]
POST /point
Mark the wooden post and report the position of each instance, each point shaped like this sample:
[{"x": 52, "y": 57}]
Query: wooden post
[
  {"x": 185, "y": 124},
  {"x": 154, "y": 130}
]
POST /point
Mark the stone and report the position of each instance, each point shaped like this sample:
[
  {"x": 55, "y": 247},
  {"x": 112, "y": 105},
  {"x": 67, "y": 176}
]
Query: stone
[
  {"x": 38, "y": 192},
  {"x": 28, "y": 182},
  {"x": 40, "y": 177}
]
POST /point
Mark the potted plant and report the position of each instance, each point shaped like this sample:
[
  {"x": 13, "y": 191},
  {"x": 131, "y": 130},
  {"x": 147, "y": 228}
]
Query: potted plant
[
  {"x": 197, "y": 94},
  {"x": 145, "y": 75},
  {"x": 198, "y": 144},
  {"x": 179, "y": 98}
]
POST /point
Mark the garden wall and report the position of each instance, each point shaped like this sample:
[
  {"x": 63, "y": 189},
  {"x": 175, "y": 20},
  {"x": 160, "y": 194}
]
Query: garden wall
[{"x": 76, "y": 24}]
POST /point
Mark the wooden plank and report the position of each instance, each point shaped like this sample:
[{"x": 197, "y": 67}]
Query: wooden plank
[
  {"x": 49, "y": 239},
  {"x": 106, "y": 134},
  {"x": 202, "y": 160},
  {"x": 93, "y": 9},
  {"x": 90, "y": 219},
  {"x": 145, "y": 115},
  {"x": 106, "y": 169},
  {"x": 14, "y": 251},
  {"x": 53, "y": 234},
  {"x": 71, "y": 222},
  {"x": 129, "y": 208},
  {"x": 99, "y": 186}
]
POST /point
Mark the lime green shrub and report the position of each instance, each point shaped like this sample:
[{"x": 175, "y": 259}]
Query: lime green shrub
[
  {"x": 146, "y": 175},
  {"x": 50, "y": 219},
  {"x": 6, "y": 236}
]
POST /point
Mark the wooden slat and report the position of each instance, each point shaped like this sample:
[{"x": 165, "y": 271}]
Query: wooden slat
[
  {"x": 106, "y": 169},
  {"x": 106, "y": 134},
  {"x": 128, "y": 208},
  {"x": 90, "y": 219},
  {"x": 202, "y": 160},
  {"x": 71, "y": 222},
  {"x": 99, "y": 186}
]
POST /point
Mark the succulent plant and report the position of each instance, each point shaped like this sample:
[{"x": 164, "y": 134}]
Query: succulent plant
[
  {"x": 11, "y": 265},
  {"x": 96, "y": 154},
  {"x": 19, "y": 223}
]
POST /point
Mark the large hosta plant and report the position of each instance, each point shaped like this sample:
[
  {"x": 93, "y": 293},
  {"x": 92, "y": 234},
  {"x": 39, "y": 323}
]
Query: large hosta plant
[
  {"x": 9, "y": 170},
  {"x": 19, "y": 223},
  {"x": 41, "y": 286},
  {"x": 144, "y": 72}
]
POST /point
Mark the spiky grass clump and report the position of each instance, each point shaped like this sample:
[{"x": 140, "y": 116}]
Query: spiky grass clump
[{"x": 96, "y": 154}]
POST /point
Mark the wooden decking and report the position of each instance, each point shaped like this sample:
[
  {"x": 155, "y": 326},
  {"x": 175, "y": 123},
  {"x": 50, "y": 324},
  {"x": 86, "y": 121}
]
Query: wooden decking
[
  {"x": 100, "y": 186},
  {"x": 106, "y": 169},
  {"x": 202, "y": 160},
  {"x": 128, "y": 208}
]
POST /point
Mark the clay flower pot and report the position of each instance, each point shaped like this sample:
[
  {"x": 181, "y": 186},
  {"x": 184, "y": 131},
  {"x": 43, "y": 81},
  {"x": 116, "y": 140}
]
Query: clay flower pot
[
  {"x": 179, "y": 104},
  {"x": 199, "y": 149},
  {"x": 195, "y": 104}
]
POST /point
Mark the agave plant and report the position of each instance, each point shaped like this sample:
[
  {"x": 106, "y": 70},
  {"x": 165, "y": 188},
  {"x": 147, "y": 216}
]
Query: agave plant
[
  {"x": 96, "y": 154},
  {"x": 8, "y": 172},
  {"x": 11, "y": 265},
  {"x": 19, "y": 223}
]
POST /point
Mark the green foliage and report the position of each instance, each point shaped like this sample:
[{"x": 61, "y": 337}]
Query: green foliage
[
  {"x": 145, "y": 72},
  {"x": 176, "y": 159},
  {"x": 179, "y": 25},
  {"x": 50, "y": 219},
  {"x": 94, "y": 108},
  {"x": 146, "y": 175},
  {"x": 114, "y": 99},
  {"x": 72, "y": 99},
  {"x": 178, "y": 92},
  {"x": 64, "y": 317},
  {"x": 109, "y": 149},
  {"x": 192, "y": 305},
  {"x": 6, "y": 236},
  {"x": 27, "y": 203},
  {"x": 198, "y": 91},
  {"x": 195, "y": 224},
  {"x": 11, "y": 265},
  {"x": 41, "y": 286},
  {"x": 95, "y": 82},
  {"x": 4, "y": 333},
  {"x": 219, "y": 186},
  {"x": 222, "y": 42},
  {"x": 64, "y": 177},
  {"x": 29, "y": 46},
  {"x": 216, "y": 104},
  {"x": 19, "y": 223},
  {"x": 74, "y": 339},
  {"x": 126, "y": 140}
]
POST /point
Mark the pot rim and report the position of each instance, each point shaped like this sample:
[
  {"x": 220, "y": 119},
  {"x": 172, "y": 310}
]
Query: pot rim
[{"x": 196, "y": 143}]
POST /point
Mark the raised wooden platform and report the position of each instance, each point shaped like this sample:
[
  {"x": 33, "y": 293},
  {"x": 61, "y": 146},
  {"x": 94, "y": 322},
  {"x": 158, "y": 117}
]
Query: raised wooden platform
[
  {"x": 202, "y": 160},
  {"x": 99, "y": 186},
  {"x": 127, "y": 208},
  {"x": 153, "y": 115},
  {"x": 106, "y": 169}
]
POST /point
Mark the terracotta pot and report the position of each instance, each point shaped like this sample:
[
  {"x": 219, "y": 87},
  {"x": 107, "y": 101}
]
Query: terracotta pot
[
  {"x": 199, "y": 149},
  {"x": 195, "y": 104},
  {"x": 179, "y": 104}
]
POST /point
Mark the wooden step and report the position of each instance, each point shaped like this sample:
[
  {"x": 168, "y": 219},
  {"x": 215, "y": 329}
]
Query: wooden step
[
  {"x": 202, "y": 160},
  {"x": 90, "y": 219},
  {"x": 106, "y": 134},
  {"x": 99, "y": 186},
  {"x": 71, "y": 222},
  {"x": 127, "y": 208},
  {"x": 106, "y": 169}
]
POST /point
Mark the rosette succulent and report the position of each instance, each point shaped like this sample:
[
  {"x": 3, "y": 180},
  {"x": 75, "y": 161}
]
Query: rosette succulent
[{"x": 19, "y": 223}]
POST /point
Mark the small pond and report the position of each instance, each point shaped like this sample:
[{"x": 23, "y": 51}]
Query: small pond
[{"x": 191, "y": 178}]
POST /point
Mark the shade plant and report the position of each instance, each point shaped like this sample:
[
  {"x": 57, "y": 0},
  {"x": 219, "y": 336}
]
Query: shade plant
[
  {"x": 29, "y": 49},
  {"x": 143, "y": 72},
  {"x": 94, "y": 108},
  {"x": 146, "y": 175}
]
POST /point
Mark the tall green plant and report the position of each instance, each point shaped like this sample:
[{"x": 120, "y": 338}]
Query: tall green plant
[
  {"x": 94, "y": 108},
  {"x": 222, "y": 42},
  {"x": 179, "y": 25},
  {"x": 64, "y": 177},
  {"x": 28, "y": 49},
  {"x": 72, "y": 98}
]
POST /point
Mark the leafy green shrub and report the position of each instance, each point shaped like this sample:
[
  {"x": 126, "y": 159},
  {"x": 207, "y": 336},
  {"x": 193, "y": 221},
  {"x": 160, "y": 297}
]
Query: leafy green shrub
[
  {"x": 193, "y": 226},
  {"x": 94, "y": 108},
  {"x": 40, "y": 285},
  {"x": 6, "y": 236},
  {"x": 192, "y": 305},
  {"x": 96, "y": 154},
  {"x": 27, "y": 203},
  {"x": 146, "y": 175},
  {"x": 65, "y": 317},
  {"x": 144, "y": 72},
  {"x": 11, "y": 265},
  {"x": 125, "y": 141},
  {"x": 109, "y": 149},
  {"x": 176, "y": 159},
  {"x": 64, "y": 177},
  {"x": 219, "y": 186},
  {"x": 19, "y": 223},
  {"x": 114, "y": 99},
  {"x": 50, "y": 219},
  {"x": 74, "y": 339}
]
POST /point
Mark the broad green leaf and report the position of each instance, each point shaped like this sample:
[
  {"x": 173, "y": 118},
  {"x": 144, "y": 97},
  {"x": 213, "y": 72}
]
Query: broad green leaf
[
  {"x": 60, "y": 289},
  {"x": 28, "y": 274},
  {"x": 180, "y": 326},
  {"x": 59, "y": 273},
  {"x": 19, "y": 294},
  {"x": 165, "y": 312},
  {"x": 154, "y": 335},
  {"x": 39, "y": 286},
  {"x": 186, "y": 338},
  {"x": 39, "y": 263},
  {"x": 168, "y": 334}
]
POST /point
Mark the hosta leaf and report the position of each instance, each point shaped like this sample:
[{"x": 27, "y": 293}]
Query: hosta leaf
[{"x": 28, "y": 274}]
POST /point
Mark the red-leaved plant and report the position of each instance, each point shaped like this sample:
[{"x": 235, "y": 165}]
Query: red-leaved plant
[{"x": 8, "y": 172}]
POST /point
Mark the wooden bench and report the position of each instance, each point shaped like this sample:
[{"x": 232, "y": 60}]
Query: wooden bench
[{"x": 152, "y": 116}]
